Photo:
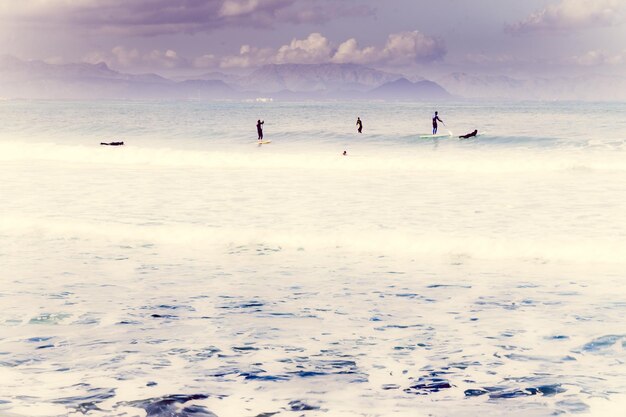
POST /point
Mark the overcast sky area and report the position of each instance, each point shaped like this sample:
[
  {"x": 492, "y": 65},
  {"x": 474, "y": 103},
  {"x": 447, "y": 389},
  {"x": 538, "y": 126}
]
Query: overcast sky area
[{"x": 509, "y": 37}]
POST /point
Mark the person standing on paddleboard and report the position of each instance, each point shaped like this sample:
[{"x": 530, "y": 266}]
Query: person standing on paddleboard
[
  {"x": 435, "y": 119},
  {"x": 359, "y": 124},
  {"x": 259, "y": 128}
]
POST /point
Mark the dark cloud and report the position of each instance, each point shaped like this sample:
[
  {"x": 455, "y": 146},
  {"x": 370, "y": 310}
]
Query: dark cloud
[{"x": 158, "y": 17}]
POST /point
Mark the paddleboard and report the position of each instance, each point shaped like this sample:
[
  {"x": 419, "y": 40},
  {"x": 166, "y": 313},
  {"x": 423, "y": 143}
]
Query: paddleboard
[
  {"x": 437, "y": 136},
  {"x": 263, "y": 142}
]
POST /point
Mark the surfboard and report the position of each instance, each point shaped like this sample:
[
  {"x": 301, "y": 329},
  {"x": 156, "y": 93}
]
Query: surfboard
[
  {"x": 437, "y": 136},
  {"x": 263, "y": 142}
]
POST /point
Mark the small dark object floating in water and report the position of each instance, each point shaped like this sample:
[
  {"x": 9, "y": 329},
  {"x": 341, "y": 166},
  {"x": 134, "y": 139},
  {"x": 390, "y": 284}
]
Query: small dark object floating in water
[
  {"x": 297, "y": 405},
  {"x": 502, "y": 393},
  {"x": 173, "y": 406},
  {"x": 112, "y": 143},
  {"x": 428, "y": 385}
]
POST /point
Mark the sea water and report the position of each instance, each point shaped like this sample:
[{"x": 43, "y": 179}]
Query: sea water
[{"x": 192, "y": 272}]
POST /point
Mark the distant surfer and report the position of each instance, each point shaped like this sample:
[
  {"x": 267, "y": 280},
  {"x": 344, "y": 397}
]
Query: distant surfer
[
  {"x": 469, "y": 135},
  {"x": 435, "y": 119},
  {"x": 345, "y": 153},
  {"x": 359, "y": 124},
  {"x": 112, "y": 143},
  {"x": 259, "y": 128}
]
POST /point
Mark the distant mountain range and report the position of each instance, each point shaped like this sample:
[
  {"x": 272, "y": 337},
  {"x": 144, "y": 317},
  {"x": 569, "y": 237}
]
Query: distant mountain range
[
  {"x": 316, "y": 78},
  {"x": 587, "y": 87},
  {"x": 37, "y": 79},
  {"x": 405, "y": 89},
  {"x": 40, "y": 80}
]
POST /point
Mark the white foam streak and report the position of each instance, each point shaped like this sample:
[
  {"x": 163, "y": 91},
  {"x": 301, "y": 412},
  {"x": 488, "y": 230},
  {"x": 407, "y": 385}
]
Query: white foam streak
[
  {"x": 427, "y": 245},
  {"x": 359, "y": 158}
]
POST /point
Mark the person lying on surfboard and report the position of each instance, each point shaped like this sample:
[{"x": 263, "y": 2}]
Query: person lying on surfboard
[
  {"x": 469, "y": 135},
  {"x": 112, "y": 143},
  {"x": 259, "y": 128},
  {"x": 435, "y": 118}
]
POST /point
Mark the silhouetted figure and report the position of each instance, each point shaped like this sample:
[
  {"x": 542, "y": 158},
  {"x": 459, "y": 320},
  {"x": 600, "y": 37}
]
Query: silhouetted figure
[
  {"x": 359, "y": 124},
  {"x": 112, "y": 143},
  {"x": 345, "y": 153},
  {"x": 259, "y": 128},
  {"x": 469, "y": 135},
  {"x": 435, "y": 119}
]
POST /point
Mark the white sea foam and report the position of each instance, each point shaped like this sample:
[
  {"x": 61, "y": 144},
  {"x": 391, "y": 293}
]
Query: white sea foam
[
  {"x": 192, "y": 271},
  {"x": 360, "y": 158},
  {"x": 416, "y": 245}
]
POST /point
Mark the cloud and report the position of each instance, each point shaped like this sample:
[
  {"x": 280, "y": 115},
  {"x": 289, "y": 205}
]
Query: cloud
[
  {"x": 400, "y": 49},
  {"x": 404, "y": 48},
  {"x": 599, "y": 58},
  {"x": 408, "y": 47},
  {"x": 499, "y": 59},
  {"x": 165, "y": 59},
  {"x": 126, "y": 57},
  {"x": 248, "y": 57},
  {"x": 571, "y": 15},
  {"x": 318, "y": 11},
  {"x": 205, "y": 61},
  {"x": 312, "y": 50},
  {"x": 130, "y": 58},
  {"x": 158, "y": 17},
  {"x": 238, "y": 7},
  {"x": 349, "y": 52}
]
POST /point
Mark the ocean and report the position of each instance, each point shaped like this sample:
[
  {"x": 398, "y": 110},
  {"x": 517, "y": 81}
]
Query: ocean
[{"x": 193, "y": 273}]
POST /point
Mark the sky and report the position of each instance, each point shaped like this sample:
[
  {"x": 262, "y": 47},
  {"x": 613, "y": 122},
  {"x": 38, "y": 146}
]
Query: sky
[{"x": 508, "y": 37}]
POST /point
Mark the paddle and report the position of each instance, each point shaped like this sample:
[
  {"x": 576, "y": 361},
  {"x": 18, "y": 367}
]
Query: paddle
[{"x": 449, "y": 132}]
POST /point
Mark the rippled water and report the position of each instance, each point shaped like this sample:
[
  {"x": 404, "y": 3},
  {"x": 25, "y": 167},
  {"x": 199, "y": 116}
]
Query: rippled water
[{"x": 194, "y": 273}]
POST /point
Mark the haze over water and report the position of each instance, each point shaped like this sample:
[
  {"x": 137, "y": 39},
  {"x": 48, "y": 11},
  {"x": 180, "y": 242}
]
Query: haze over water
[{"x": 192, "y": 272}]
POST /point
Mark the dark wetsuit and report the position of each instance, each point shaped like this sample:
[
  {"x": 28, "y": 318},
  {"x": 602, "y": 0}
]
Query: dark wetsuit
[
  {"x": 259, "y": 129},
  {"x": 469, "y": 135},
  {"x": 435, "y": 118},
  {"x": 359, "y": 124}
]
